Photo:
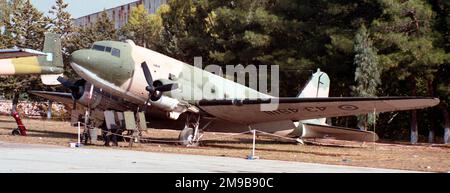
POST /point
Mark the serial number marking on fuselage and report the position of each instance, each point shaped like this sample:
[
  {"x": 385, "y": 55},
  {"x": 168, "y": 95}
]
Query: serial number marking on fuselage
[
  {"x": 315, "y": 109},
  {"x": 282, "y": 111}
]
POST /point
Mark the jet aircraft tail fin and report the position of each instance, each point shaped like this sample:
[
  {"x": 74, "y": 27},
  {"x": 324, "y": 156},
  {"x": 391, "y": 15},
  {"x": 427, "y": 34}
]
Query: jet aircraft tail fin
[
  {"x": 53, "y": 61},
  {"x": 48, "y": 63}
]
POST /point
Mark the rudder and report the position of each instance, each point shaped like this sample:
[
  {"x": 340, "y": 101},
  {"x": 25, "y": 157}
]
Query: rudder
[{"x": 53, "y": 62}]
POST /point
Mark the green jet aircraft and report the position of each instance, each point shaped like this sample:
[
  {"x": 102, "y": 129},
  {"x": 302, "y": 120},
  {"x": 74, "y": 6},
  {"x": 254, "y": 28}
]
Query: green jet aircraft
[
  {"x": 122, "y": 76},
  {"x": 48, "y": 63}
]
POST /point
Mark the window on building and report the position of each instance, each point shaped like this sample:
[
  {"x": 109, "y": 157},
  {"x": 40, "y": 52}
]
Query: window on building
[{"x": 115, "y": 52}]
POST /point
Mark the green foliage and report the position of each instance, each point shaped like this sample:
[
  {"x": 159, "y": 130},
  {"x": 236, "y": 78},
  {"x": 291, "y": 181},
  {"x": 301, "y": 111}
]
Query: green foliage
[
  {"x": 5, "y": 37},
  {"x": 405, "y": 38},
  {"x": 25, "y": 28},
  {"x": 403, "y": 51},
  {"x": 27, "y": 25},
  {"x": 62, "y": 24},
  {"x": 102, "y": 29},
  {"x": 144, "y": 28},
  {"x": 367, "y": 74}
]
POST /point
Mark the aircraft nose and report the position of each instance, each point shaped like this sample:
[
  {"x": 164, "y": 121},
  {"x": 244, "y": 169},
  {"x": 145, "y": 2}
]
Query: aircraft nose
[{"x": 80, "y": 57}]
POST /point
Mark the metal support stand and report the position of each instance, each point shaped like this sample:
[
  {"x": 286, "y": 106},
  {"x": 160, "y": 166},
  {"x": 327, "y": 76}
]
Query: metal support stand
[
  {"x": 79, "y": 136},
  {"x": 252, "y": 156}
]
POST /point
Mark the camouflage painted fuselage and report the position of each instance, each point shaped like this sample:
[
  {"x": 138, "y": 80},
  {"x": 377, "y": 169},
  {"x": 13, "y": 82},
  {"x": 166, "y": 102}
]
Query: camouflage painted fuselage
[
  {"x": 123, "y": 76},
  {"x": 27, "y": 65}
]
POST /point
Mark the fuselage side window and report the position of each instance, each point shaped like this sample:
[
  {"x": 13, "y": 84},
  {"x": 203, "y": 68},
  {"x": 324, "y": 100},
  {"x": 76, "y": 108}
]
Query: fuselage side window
[
  {"x": 115, "y": 52},
  {"x": 108, "y": 49},
  {"x": 99, "y": 48}
]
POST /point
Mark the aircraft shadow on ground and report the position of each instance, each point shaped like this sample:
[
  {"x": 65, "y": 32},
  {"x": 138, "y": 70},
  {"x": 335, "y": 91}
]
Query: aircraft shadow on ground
[
  {"x": 278, "y": 150},
  {"x": 47, "y": 134},
  {"x": 7, "y": 121},
  {"x": 206, "y": 143}
]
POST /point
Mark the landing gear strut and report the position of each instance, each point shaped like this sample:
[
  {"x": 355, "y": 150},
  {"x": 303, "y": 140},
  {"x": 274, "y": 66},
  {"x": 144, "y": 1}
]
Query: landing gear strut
[{"x": 191, "y": 134}]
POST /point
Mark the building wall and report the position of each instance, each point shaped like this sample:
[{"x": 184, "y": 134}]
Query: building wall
[{"x": 120, "y": 15}]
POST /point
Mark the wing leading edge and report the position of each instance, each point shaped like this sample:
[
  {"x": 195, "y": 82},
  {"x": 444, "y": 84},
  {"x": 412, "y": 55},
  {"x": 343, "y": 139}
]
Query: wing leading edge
[
  {"x": 251, "y": 111},
  {"x": 19, "y": 53},
  {"x": 65, "y": 98}
]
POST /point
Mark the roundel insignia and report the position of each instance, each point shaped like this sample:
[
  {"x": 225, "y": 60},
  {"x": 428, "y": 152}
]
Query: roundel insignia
[{"x": 348, "y": 107}]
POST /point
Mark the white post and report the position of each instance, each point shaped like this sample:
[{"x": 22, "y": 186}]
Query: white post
[
  {"x": 254, "y": 142},
  {"x": 79, "y": 138}
]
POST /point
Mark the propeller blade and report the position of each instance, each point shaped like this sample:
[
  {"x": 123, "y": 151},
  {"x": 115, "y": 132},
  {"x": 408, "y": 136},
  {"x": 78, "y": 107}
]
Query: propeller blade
[
  {"x": 74, "y": 105},
  {"x": 64, "y": 82},
  {"x": 147, "y": 73},
  {"x": 167, "y": 87}
]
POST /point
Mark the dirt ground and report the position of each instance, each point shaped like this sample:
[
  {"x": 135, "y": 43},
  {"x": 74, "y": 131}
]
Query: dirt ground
[{"x": 420, "y": 157}]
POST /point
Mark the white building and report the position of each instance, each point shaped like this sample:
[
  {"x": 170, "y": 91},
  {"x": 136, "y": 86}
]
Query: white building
[{"x": 119, "y": 15}]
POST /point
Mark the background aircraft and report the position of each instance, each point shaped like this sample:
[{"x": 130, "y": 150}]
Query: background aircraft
[
  {"x": 122, "y": 76},
  {"x": 48, "y": 63}
]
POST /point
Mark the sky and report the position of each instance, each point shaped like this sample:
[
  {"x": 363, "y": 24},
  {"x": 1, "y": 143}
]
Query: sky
[{"x": 80, "y": 8}]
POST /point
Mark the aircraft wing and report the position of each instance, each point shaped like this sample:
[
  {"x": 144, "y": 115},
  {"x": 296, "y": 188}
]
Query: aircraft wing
[
  {"x": 249, "y": 111},
  {"x": 61, "y": 97},
  {"x": 19, "y": 53}
]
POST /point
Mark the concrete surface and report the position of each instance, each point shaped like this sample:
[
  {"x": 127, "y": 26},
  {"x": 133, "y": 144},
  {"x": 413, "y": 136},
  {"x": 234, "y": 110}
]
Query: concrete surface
[{"x": 24, "y": 158}]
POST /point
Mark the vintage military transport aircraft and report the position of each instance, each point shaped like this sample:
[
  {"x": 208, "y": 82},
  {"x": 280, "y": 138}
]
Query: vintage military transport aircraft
[{"x": 122, "y": 76}]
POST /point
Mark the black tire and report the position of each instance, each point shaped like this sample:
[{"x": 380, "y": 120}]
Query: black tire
[
  {"x": 186, "y": 136},
  {"x": 16, "y": 132}
]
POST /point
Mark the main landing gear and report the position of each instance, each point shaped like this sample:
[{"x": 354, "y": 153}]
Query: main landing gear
[{"x": 191, "y": 134}]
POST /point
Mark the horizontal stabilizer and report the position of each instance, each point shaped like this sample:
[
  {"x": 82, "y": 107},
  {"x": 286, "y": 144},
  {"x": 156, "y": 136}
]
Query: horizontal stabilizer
[
  {"x": 51, "y": 79},
  {"x": 339, "y": 133}
]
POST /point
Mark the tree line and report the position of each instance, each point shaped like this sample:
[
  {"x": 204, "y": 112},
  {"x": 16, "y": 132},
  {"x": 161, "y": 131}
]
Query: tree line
[{"x": 367, "y": 47}]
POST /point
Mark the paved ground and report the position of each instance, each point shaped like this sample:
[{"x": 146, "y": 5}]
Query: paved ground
[{"x": 55, "y": 159}]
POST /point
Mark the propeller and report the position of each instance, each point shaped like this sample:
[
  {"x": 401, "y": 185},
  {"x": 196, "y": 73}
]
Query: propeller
[
  {"x": 77, "y": 89},
  {"x": 155, "y": 88}
]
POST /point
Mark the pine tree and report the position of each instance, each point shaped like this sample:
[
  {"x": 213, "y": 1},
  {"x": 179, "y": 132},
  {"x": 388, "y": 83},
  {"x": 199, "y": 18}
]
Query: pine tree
[
  {"x": 102, "y": 29},
  {"x": 405, "y": 36},
  {"x": 442, "y": 81},
  {"x": 144, "y": 28},
  {"x": 26, "y": 26},
  {"x": 367, "y": 74},
  {"x": 62, "y": 24},
  {"x": 5, "y": 38}
]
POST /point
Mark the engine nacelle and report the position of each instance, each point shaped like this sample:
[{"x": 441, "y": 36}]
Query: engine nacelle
[
  {"x": 94, "y": 98},
  {"x": 171, "y": 105},
  {"x": 88, "y": 100}
]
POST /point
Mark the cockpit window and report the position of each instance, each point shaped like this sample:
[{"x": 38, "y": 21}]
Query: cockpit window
[
  {"x": 108, "y": 49},
  {"x": 98, "y": 47},
  {"x": 115, "y": 52}
]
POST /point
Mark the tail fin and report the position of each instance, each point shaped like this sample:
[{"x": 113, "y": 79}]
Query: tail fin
[
  {"x": 51, "y": 64},
  {"x": 317, "y": 87}
]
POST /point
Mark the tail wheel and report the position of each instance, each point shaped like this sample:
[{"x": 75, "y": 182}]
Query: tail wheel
[{"x": 187, "y": 137}]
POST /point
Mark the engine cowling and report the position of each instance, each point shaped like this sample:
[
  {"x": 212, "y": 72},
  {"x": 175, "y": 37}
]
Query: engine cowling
[
  {"x": 98, "y": 99},
  {"x": 173, "y": 106}
]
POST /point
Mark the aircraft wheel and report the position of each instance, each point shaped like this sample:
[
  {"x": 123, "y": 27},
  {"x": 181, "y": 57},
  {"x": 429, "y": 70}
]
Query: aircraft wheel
[
  {"x": 187, "y": 137},
  {"x": 15, "y": 132}
]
